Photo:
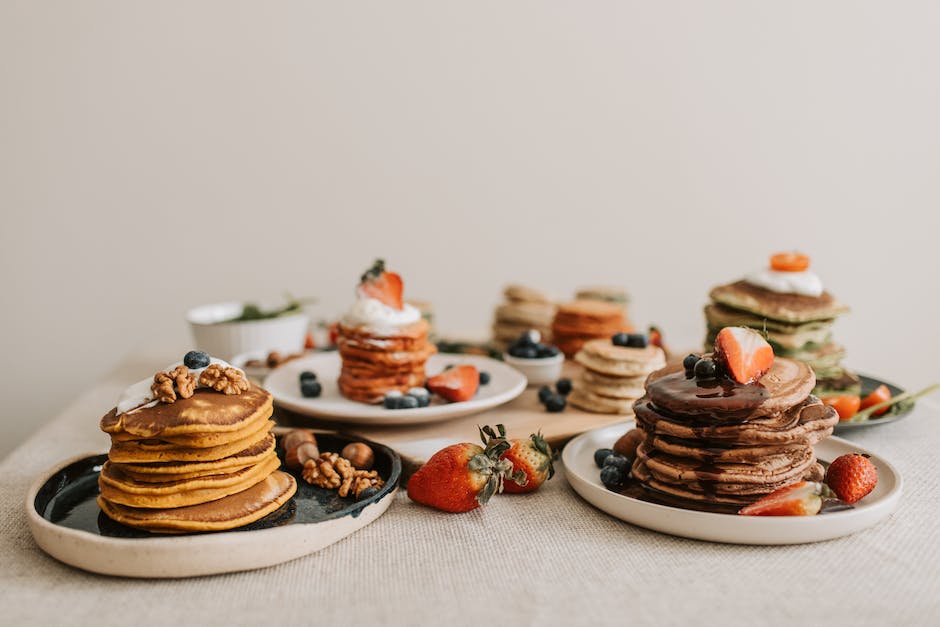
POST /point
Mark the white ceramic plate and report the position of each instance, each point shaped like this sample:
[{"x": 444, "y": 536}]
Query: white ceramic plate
[
  {"x": 584, "y": 477},
  {"x": 506, "y": 383}
]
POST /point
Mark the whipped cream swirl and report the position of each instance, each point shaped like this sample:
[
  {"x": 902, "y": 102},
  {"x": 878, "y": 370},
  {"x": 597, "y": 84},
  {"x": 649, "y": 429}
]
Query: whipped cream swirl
[
  {"x": 805, "y": 283},
  {"x": 140, "y": 396},
  {"x": 370, "y": 312}
]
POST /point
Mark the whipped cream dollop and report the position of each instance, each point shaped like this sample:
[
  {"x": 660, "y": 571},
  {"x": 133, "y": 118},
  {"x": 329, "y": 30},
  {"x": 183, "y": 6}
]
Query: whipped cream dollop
[
  {"x": 805, "y": 283},
  {"x": 140, "y": 396},
  {"x": 370, "y": 312}
]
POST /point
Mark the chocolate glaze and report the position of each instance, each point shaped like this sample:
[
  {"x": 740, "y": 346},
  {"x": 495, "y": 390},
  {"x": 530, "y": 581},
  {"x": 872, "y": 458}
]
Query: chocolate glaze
[{"x": 730, "y": 401}]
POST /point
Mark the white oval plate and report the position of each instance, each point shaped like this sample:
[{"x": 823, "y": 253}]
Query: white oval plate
[
  {"x": 584, "y": 477},
  {"x": 506, "y": 383}
]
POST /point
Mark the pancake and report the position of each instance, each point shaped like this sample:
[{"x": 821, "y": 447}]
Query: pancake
[
  {"x": 409, "y": 334},
  {"x": 522, "y": 294},
  {"x": 205, "y": 411},
  {"x": 605, "y": 293},
  {"x": 604, "y": 357},
  {"x": 779, "y": 334},
  {"x": 525, "y": 313},
  {"x": 116, "y": 487},
  {"x": 793, "y": 308},
  {"x": 204, "y": 440},
  {"x": 613, "y": 387},
  {"x": 251, "y": 455},
  {"x": 229, "y": 512},
  {"x": 141, "y": 451},
  {"x": 587, "y": 400}
]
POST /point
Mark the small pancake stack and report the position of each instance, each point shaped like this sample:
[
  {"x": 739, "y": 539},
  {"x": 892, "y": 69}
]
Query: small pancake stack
[
  {"x": 523, "y": 309},
  {"x": 205, "y": 462},
  {"x": 581, "y": 320},
  {"x": 377, "y": 361},
  {"x": 720, "y": 443},
  {"x": 613, "y": 376}
]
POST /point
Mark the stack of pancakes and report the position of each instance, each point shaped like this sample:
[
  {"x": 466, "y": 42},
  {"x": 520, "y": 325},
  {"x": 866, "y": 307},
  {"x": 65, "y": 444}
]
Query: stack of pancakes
[
  {"x": 523, "y": 309},
  {"x": 581, "y": 320},
  {"x": 613, "y": 376},
  {"x": 797, "y": 326},
  {"x": 377, "y": 361},
  {"x": 203, "y": 463},
  {"x": 721, "y": 443}
]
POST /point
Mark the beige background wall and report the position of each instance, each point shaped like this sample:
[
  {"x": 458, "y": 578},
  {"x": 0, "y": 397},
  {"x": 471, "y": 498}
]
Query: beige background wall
[{"x": 154, "y": 156}]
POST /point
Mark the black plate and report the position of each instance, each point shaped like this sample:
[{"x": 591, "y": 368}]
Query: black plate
[
  {"x": 67, "y": 498},
  {"x": 894, "y": 413}
]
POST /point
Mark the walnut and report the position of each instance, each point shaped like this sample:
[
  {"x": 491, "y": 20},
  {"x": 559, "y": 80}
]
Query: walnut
[
  {"x": 337, "y": 473},
  {"x": 222, "y": 379},
  {"x": 164, "y": 382}
]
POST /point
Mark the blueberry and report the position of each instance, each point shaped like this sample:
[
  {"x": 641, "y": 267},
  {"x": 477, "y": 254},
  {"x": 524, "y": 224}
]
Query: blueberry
[
  {"x": 547, "y": 350},
  {"x": 421, "y": 395},
  {"x": 611, "y": 477},
  {"x": 601, "y": 454},
  {"x": 705, "y": 369},
  {"x": 636, "y": 340},
  {"x": 689, "y": 362},
  {"x": 544, "y": 393},
  {"x": 196, "y": 359},
  {"x": 306, "y": 375},
  {"x": 621, "y": 339},
  {"x": 484, "y": 377},
  {"x": 563, "y": 386},
  {"x": 407, "y": 402},
  {"x": 310, "y": 388},
  {"x": 555, "y": 403},
  {"x": 616, "y": 460},
  {"x": 393, "y": 400},
  {"x": 524, "y": 352},
  {"x": 530, "y": 338},
  {"x": 368, "y": 493}
]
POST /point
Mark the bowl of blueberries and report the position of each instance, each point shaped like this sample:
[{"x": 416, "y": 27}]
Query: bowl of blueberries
[{"x": 540, "y": 363}]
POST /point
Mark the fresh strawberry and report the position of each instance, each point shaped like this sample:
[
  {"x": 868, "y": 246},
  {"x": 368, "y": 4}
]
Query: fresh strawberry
[
  {"x": 309, "y": 342},
  {"x": 461, "y": 477},
  {"x": 656, "y": 338},
  {"x": 744, "y": 353},
  {"x": 846, "y": 405},
  {"x": 456, "y": 384},
  {"x": 852, "y": 477},
  {"x": 533, "y": 456},
  {"x": 333, "y": 333},
  {"x": 881, "y": 394},
  {"x": 386, "y": 287},
  {"x": 800, "y": 499},
  {"x": 789, "y": 262}
]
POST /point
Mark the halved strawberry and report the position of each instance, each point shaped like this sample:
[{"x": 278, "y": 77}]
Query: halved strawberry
[
  {"x": 385, "y": 287},
  {"x": 880, "y": 394},
  {"x": 800, "y": 499},
  {"x": 852, "y": 476},
  {"x": 789, "y": 262},
  {"x": 744, "y": 353},
  {"x": 456, "y": 384}
]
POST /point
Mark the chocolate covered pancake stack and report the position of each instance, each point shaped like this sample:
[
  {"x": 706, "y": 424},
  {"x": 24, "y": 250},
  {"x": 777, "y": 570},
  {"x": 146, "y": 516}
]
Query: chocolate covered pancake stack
[
  {"x": 522, "y": 309},
  {"x": 581, "y": 320},
  {"x": 787, "y": 303},
  {"x": 191, "y": 450},
  {"x": 613, "y": 374},
  {"x": 382, "y": 341},
  {"x": 714, "y": 441}
]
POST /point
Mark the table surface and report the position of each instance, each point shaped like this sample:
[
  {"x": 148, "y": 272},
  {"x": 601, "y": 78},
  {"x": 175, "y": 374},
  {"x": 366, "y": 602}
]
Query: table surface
[{"x": 544, "y": 558}]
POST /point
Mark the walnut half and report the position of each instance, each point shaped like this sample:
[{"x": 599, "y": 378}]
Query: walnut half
[
  {"x": 167, "y": 385},
  {"x": 336, "y": 473},
  {"x": 222, "y": 379}
]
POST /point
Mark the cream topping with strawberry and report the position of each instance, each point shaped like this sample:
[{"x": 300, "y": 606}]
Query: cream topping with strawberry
[
  {"x": 379, "y": 304},
  {"x": 789, "y": 273}
]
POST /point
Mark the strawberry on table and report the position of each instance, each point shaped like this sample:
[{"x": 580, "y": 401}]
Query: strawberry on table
[
  {"x": 386, "y": 287},
  {"x": 456, "y": 384},
  {"x": 800, "y": 499},
  {"x": 880, "y": 394},
  {"x": 852, "y": 477},
  {"x": 744, "y": 353},
  {"x": 846, "y": 405},
  {"x": 461, "y": 477},
  {"x": 533, "y": 457}
]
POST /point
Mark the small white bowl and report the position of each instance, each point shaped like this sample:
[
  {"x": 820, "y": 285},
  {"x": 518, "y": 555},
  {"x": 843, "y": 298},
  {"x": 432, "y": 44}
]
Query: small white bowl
[
  {"x": 227, "y": 339},
  {"x": 538, "y": 371}
]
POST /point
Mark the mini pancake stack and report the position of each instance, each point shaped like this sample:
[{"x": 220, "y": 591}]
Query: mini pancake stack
[
  {"x": 613, "y": 376},
  {"x": 524, "y": 309},
  {"x": 797, "y": 326},
  {"x": 377, "y": 361},
  {"x": 202, "y": 463},
  {"x": 581, "y": 320},
  {"x": 719, "y": 443}
]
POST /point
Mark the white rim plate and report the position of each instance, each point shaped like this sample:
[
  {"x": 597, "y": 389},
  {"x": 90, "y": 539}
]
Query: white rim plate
[
  {"x": 506, "y": 383},
  {"x": 584, "y": 477}
]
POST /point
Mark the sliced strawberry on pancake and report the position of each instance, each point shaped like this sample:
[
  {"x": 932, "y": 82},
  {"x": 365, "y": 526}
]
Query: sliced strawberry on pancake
[
  {"x": 385, "y": 287},
  {"x": 744, "y": 353}
]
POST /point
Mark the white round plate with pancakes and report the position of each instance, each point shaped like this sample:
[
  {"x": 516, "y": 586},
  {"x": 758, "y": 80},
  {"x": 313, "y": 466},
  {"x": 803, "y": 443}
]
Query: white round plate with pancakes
[
  {"x": 506, "y": 383},
  {"x": 584, "y": 476}
]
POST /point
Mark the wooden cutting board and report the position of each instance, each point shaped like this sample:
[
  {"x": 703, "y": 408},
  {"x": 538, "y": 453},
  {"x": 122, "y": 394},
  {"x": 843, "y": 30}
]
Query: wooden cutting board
[{"x": 522, "y": 416}]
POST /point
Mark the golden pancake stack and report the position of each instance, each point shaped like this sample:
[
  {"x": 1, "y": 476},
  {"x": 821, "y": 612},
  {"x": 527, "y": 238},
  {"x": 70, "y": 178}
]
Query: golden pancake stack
[
  {"x": 377, "y": 361},
  {"x": 205, "y": 462},
  {"x": 581, "y": 320},
  {"x": 613, "y": 376},
  {"x": 522, "y": 309}
]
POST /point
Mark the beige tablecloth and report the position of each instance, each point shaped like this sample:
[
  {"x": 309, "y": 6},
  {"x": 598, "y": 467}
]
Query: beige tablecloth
[{"x": 545, "y": 559}]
